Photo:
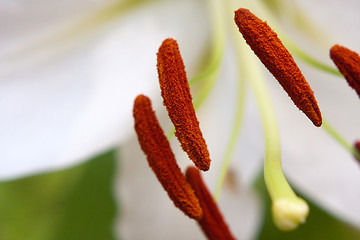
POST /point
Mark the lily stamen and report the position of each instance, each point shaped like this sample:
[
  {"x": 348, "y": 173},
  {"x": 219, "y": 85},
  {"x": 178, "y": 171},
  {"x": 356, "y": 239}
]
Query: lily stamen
[
  {"x": 175, "y": 91},
  {"x": 277, "y": 59},
  {"x": 212, "y": 223},
  {"x": 162, "y": 160}
]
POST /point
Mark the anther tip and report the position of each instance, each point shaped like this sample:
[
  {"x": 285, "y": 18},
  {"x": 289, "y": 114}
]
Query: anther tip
[
  {"x": 169, "y": 42},
  {"x": 242, "y": 11},
  {"x": 334, "y": 50},
  {"x": 192, "y": 171},
  {"x": 318, "y": 121},
  {"x": 141, "y": 99}
]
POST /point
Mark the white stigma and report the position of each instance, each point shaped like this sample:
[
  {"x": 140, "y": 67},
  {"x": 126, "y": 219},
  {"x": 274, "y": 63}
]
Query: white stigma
[{"x": 288, "y": 213}]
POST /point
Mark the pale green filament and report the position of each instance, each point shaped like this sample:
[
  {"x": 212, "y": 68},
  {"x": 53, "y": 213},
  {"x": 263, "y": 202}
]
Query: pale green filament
[
  {"x": 241, "y": 96},
  {"x": 288, "y": 209},
  {"x": 330, "y": 130},
  {"x": 310, "y": 60},
  {"x": 210, "y": 74}
]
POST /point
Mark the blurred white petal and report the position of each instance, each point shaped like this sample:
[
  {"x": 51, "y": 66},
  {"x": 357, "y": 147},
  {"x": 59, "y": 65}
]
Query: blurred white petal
[
  {"x": 317, "y": 164},
  {"x": 24, "y": 22},
  {"x": 312, "y": 160},
  {"x": 66, "y": 108}
]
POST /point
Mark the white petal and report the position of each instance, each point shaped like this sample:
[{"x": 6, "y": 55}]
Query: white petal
[
  {"x": 316, "y": 163},
  {"x": 24, "y": 22},
  {"x": 76, "y": 104}
]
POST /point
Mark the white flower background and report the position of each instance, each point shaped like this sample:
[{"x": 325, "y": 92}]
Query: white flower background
[{"x": 66, "y": 98}]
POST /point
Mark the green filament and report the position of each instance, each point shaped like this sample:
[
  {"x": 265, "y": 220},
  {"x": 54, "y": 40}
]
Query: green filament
[
  {"x": 210, "y": 74},
  {"x": 240, "y": 104},
  {"x": 310, "y": 60},
  {"x": 336, "y": 136}
]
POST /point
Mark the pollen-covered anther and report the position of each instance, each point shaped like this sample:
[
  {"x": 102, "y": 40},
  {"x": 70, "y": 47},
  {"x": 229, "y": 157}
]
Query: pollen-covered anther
[
  {"x": 175, "y": 92},
  {"x": 162, "y": 160},
  {"x": 348, "y": 63},
  {"x": 212, "y": 223},
  {"x": 269, "y": 49}
]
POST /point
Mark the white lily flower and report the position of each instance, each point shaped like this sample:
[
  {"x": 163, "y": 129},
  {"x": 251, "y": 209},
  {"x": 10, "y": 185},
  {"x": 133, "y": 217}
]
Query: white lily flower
[
  {"x": 63, "y": 108},
  {"x": 313, "y": 161}
]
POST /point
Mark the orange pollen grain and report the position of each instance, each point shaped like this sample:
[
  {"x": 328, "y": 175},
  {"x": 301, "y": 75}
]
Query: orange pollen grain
[
  {"x": 212, "y": 223},
  {"x": 277, "y": 59},
  {"x": 175, "y": 91},
  {"x": 162, "y": 160},
  {"x": 348, "y": 63}
]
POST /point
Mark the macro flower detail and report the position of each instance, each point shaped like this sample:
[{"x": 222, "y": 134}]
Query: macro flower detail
[
  {"x": 212, "y": 223},
  {"x": 348, "y": 63},
  {"x": 175, "y": 91},
  {"x": 277, "y": 59},
  {"x": 70, "y": 74},
  {"x": 162, "y": 160},
  {"x": 189, "y": 192}
]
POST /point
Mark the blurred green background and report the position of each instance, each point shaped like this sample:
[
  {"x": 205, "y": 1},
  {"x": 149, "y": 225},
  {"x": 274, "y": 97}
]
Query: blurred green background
[
  {"x": 71, "y": 204},
  {"x": 78, "y": 204}
]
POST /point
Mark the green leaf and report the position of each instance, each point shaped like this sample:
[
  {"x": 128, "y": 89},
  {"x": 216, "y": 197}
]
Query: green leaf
[
  {"x": 319, "y": 224},
  {"x": 71, "y": 204}
]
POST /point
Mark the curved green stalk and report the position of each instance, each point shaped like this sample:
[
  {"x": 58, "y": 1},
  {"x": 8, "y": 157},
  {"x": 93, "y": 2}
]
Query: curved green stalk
[
  {"x": 310, "y": 60},
  {"x": 288, "y": 209},
  {"x": 238, "y": 120},
  {"x": 210, "y": 74},
  {"x": 336, "y": 136},
  {"x": 212, "y": 71}
]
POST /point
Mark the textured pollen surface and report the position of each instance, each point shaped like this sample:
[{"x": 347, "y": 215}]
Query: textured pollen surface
[
  {"x": 212, "y": 223},
  {"x": 348, "y": 63},
  {"x": 276, "y": 58},
  {"x": 162, "y": 160},
  {"x": 175, "y": 91}
]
